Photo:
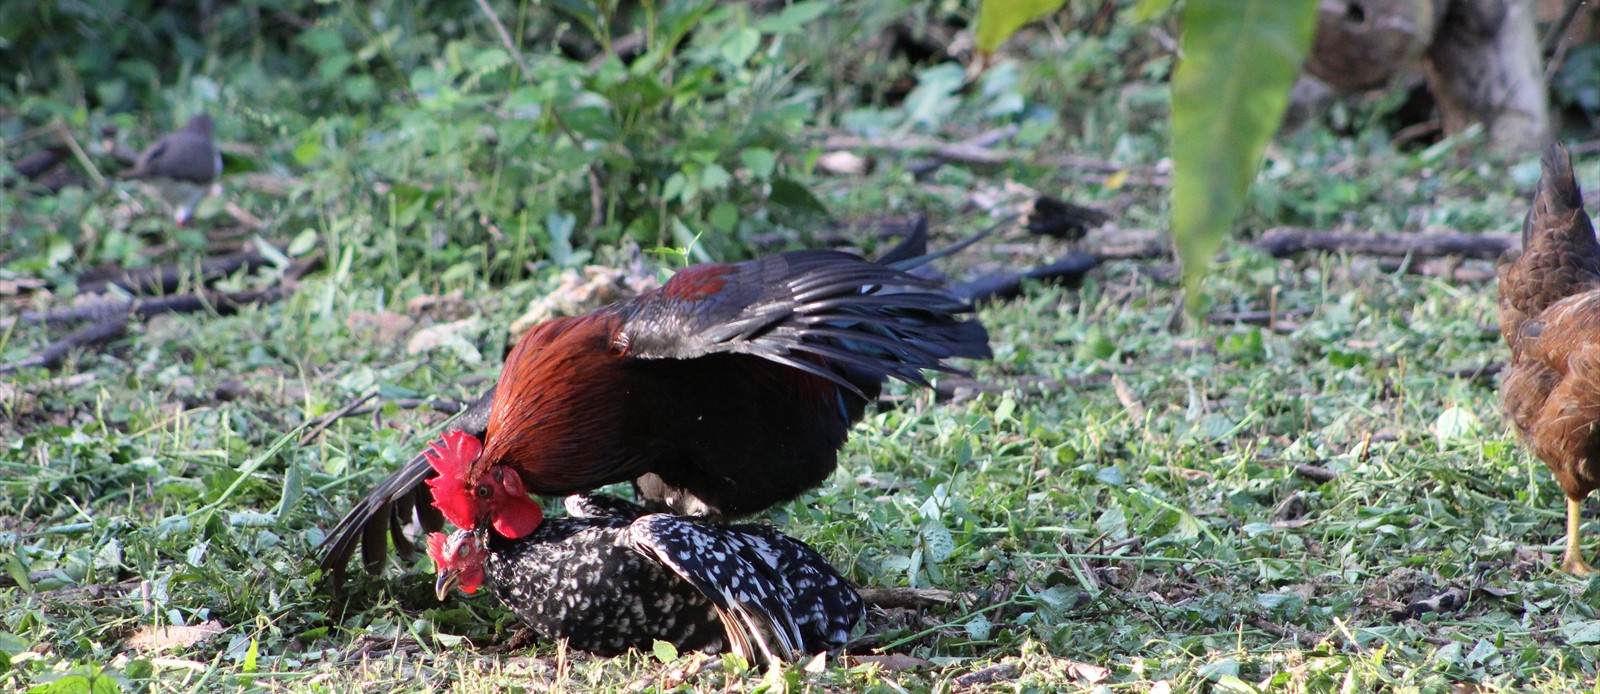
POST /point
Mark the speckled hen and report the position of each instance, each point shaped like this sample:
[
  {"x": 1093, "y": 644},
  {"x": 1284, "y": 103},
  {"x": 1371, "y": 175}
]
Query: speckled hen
[{"x": 609, "y": 578}]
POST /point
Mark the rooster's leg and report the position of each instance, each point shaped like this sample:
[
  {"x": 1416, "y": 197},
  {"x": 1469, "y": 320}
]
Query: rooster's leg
[{"x": 1573, "y": 562}]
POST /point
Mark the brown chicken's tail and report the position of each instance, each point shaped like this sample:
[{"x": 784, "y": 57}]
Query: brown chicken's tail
[{"x": 1558, "y": 195}]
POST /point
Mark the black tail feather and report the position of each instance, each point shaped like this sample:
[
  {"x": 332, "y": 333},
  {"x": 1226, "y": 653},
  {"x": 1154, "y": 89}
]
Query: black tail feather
[{"x": 398, "y": 500}]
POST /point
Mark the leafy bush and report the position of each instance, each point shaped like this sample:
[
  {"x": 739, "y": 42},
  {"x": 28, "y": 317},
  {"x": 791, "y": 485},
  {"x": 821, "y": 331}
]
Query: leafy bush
[{"x": 440, "y": 146}]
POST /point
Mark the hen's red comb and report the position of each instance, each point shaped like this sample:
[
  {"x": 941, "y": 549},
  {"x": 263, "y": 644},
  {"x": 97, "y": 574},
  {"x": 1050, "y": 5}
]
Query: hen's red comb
[
  {"x": 451, "y": 457},
  {"x": 436, "y": 549}
]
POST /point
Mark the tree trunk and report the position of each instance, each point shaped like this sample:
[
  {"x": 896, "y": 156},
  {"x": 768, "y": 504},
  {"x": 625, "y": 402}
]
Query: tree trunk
[
  {"x": 1362, "y": 44},
  {"x": 1484, "y": 67},
  {"x": 1481, "y": 58}
]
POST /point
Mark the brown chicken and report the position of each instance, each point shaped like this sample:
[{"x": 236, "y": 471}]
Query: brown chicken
[{"x": 1550, "y": 316}]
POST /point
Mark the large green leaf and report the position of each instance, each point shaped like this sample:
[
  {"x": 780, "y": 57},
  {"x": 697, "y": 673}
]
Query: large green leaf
[
  {"x": 999, "y": 19},
  {"x": 1147, "y": 10},
  {"x": 1240, "y": 59}
]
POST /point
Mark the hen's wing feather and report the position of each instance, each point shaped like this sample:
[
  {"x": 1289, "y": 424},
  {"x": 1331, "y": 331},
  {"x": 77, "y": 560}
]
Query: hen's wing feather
[
  {"x": 714, "y": 561},
  {"x": 1559, "y": 332}
]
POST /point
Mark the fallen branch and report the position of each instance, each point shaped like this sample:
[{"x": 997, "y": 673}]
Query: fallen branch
[
  {"x": 167, "y": 278},
  {"x": 1451, "y": 269},
  {"x": 1484, "y": 373},
  {"x": 244, "y": 216},
  {"x": 973, "y": 151},
  {"x": 994, "y": 674},
  {"x": 1587, "y": 147},
  {"x": 847, "y": 234},
  {"x": 1274, "y": 320},
  {"x": 442, "y": 406},
  {"x": 93, "y": 591},
  {"x": 33, "y": 164},
  {"x": 1069, "y": 270},
  {"x": 1553, "y": 44},
  {"x": 912, "y": 598},
  {"x": 1129, "y": 399},
  {"x": 1286, "y": 241},
  {"x": 1078, "y": 162},
  {"x": 222, "y": 302},
  {"x": 270, "y": 184},
  {"x": 1255, "y": 317},
  {"x": 1102, "y": 171},
  {"x": 92, "y": 335},
  {"x": 111, "y": 317},
  {"x": 505, "y": 37},
  {"x": 1128, "y": 244}
]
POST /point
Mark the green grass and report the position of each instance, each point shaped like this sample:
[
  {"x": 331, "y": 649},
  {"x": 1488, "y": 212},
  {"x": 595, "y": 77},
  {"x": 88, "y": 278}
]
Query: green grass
[{"x": 1157, "y": 528}]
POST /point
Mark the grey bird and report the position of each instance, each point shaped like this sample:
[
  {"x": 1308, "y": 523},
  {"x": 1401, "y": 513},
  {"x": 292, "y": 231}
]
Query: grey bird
[{"x": 183, "y": 167}]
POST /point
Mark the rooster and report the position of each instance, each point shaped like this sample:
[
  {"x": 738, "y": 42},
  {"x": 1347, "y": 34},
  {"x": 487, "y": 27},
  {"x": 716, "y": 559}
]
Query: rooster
[
  {"x": 1550, "y": 316},
  {"x": 724, "y": 392},
  {"x": 610, "y": 577},
  {"x": 183, "y": 167}
]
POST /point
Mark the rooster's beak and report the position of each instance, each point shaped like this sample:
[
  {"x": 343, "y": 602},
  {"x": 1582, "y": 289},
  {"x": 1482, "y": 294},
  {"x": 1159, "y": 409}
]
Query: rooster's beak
[{"x": 447, "y": 580}]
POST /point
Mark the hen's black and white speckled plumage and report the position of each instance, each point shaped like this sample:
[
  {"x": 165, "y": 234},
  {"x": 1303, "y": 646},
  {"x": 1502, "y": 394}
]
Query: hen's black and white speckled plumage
[{"x": 616, "y": 580}]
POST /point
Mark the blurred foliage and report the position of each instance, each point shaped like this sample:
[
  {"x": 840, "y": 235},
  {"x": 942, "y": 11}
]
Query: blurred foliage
[
  {"x": 999, "y": 19},
  {"x": 1228, "y": 98},
  {"x": 1577, "y": 83},
  {"x": 1240, "y": 59},
  {"x": 431, "y": 128}
]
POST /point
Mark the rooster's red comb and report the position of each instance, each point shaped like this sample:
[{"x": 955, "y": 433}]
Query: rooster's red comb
[
  {"x": 453, "y": 453},
  {"x": 451, "y": 456}
]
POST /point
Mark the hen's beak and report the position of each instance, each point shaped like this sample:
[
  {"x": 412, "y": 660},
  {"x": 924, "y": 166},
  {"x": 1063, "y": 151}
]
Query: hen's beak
[{"x": 447, "y": 580}]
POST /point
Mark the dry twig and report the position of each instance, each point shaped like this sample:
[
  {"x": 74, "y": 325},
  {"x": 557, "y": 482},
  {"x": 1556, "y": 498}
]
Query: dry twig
[
  {"x": 65, "y": 134},
  {"x": 222, "y": 302},
  {"x": 1285, "y": 241},
  {"x": 914, "y": 598},
  {"x": 92, "y": 335},
  {"x": 167, "y": 278},
  {"x": 505, "y": 36},
  {"x": 334, "y": 416}
]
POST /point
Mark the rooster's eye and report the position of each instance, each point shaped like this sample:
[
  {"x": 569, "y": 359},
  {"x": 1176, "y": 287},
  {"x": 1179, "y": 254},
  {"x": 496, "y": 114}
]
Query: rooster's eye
[
  {"x": 461, "y": 552},
  {"x": 483, "y": 491}
]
